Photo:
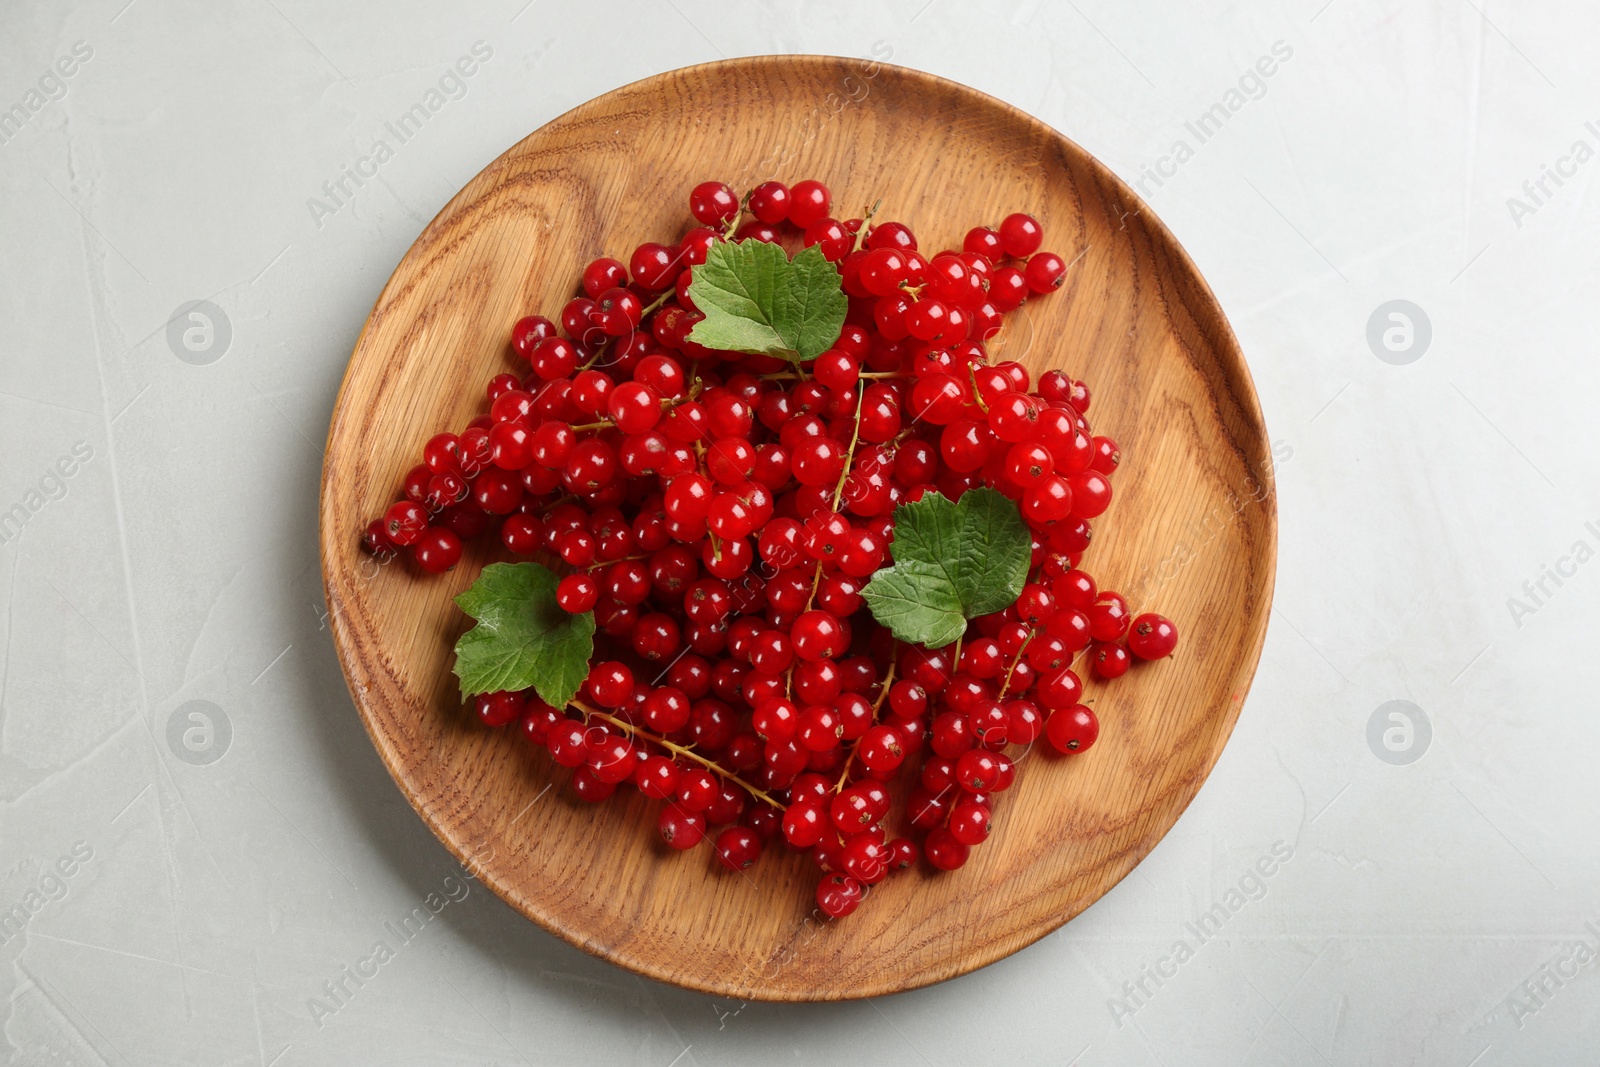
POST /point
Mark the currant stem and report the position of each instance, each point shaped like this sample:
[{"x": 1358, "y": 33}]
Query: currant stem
[
  {"x": 655, "y": 305},
  {"x": 788, "y": 376},
  {"x": 849, "y": 456},
  {"x": 598, "y": 352},
  {"x": 677, "y": 750},
  {"x": 977, "y": 394},
  {"x": 838, "y": 495},
  {"x": 1014, "y": 661},
  {"x": 866, "y": 219},
  {"x": 597, "y": 564},
  {"x": 877, "y": 705},
  {"x": 733, "y": 223}
]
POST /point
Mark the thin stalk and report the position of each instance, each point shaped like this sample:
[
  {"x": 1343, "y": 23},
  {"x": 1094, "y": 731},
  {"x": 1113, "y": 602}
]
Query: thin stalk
[
  {"x": 849, "y": 456},
  {"x": 676, "y": 750},
  {"x": 866, "y": 222},
  {"x": 1014, "y": 661},
  {"x": 655, "y": 305},
  {"x": 877, "y": 706}
]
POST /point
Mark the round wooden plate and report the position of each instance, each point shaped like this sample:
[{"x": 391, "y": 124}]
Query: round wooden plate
[{"x": 1192, "y": 532}]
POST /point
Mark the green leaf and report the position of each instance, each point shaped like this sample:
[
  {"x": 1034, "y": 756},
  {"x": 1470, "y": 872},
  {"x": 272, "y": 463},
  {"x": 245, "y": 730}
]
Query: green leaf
[
  {"x": 523, "y": 639},
  {"x": 953, "y": 561},
  {"x": 917, "y": 602},
  {"x": 756, "y": 299}
]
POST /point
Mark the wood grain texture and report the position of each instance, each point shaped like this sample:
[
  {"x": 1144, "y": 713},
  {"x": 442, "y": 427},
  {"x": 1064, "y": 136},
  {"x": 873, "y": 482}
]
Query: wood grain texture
[{"x": 1191, "y": 533}]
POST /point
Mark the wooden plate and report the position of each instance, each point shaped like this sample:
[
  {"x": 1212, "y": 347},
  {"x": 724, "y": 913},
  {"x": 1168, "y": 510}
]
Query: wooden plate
[{"x": 1192, "y": 532}]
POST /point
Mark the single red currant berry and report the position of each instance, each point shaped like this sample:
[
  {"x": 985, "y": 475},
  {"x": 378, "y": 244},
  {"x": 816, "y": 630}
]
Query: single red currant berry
[
  {"x": 1076, "y": 589},
  {"x": 1045, "y": 272},
  {"x": 602, "y": 274},
  {"x": 1072, "y": 729},
  {"x": 1060, "y": 688},
  {"x": 1035, "y": 605},
  {"x": 528, "y": 332},
  {"x": 713, "y": 203},
  {"x": 589, "y": 787},
  {"x": 538, "y": 720},
  {"x": 820, "y": 728},
  {"x": 988, "y": 720},
  {"x": 405, "y": 522},
  {"x": 1091, "y": 493},
  {"x": 681, "y": 829},
  {"x": 569, "y": 743},
  {"x": 977, "y": 771},
  {"x": 830, "y": 236},
  {"x": 804, "y": 823},
  {"x": 1109, "y": 661},
  {"x": 944, "y": 851},
  {"x": 657, "y": 637},
  {"x": 697, "y": 788},
  {"x": 776, "y": 720},
  {"x": 1107, "y": 456},
  {"x": 1024, "y": 723},
  {"x": 818, "y": 635},
  {"x": 1152, "y": 636},
  {"x": 655, "y": 266},
  {"x": 984, "y": 241},
  {"x": 866, "y": 859},
  {"x": 498, "y": 491},
  {"x": 497, "y": 709},
  {"x": 415, "y": 485},
  {"x": 879, "y": 749},
  {"x": 437, "y": 550},
  {"x": 809, "y": 202},
  {"x": 852, "y": 811},
  {"x": 838, "y": 895},
  {"x": 769, "y": 202},
  {"x": 926, "y": 319},
  {"x": 577, "y": 593},
  {"x": 1020, "y": 235},
  {"x": 1049, "y": 501},
  {"x": 375, "y": 540},
  {"x": 969, "y": 823},
  {"x": 666, "y": 709},
  {"x": 616, "y": 312},
  {"x": 610, "y": 684},
  {"x": 1079, "y": 397},
  {"x": 656, "y": 777},
  {"x": 836, "y": 369},
  {"x": 1029, "y": 464},
  {"x": 738, "y": 847},
  {"x": 614, "y": 760},
  {"x": 693, "y": 249},
  {"x": 442, "y": 453},
  {"x": 1108, "y": 617},
  {"x": 633, "y": 407}
]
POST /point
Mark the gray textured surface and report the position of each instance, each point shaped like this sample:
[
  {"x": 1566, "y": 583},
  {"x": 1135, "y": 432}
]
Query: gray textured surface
[{"x": 177, "y": 562}]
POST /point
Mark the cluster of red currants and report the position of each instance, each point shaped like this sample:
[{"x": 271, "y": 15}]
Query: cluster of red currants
[{"x": 720, "y": 514}]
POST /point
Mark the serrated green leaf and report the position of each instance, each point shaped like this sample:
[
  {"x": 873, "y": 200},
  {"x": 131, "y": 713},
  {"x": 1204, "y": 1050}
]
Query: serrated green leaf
[
  {"x": 953, "y": 561},
  {"x": 756, "y": 299},
  {"x": 523, "y": 639},
  {"x": 996, "y": 550},
  {"x": 815, "y": 302},
  {"x": 917, "y": 602}
]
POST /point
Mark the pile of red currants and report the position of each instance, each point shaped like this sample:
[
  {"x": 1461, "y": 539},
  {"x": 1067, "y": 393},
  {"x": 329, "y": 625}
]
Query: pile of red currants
[{"x": 720, "y": 512}]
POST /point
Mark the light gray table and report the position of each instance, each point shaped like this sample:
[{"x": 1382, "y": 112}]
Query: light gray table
[{"x": 187, "y": 885}]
